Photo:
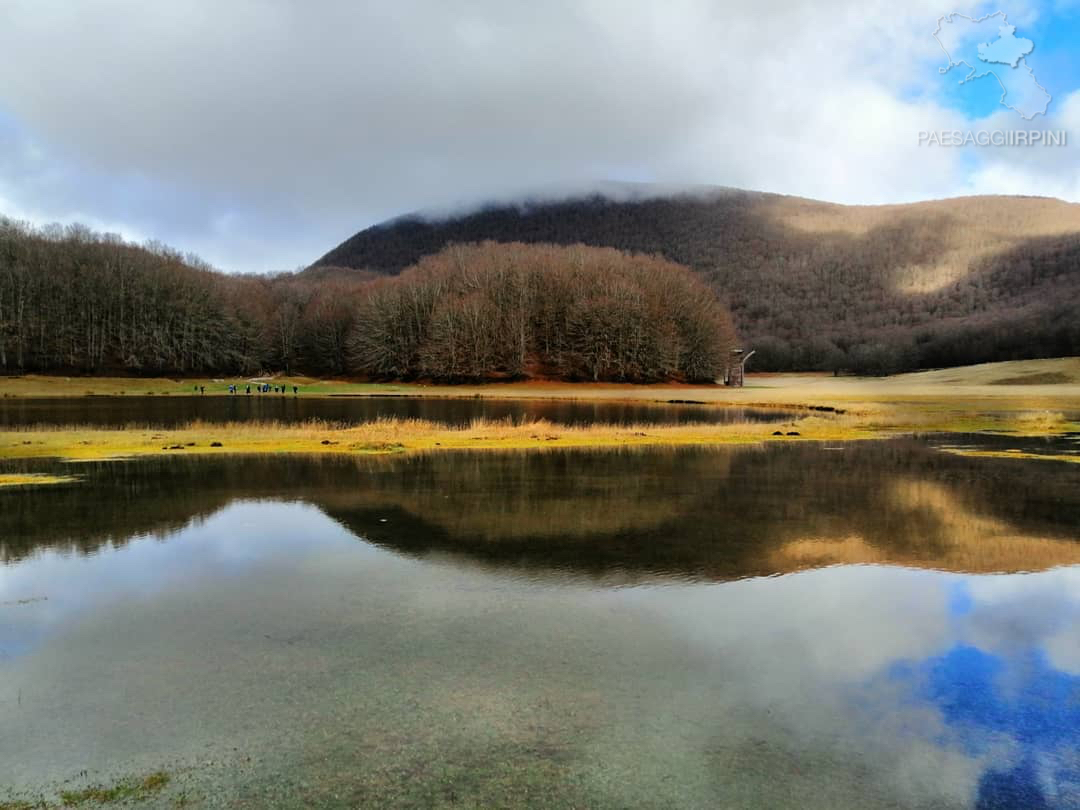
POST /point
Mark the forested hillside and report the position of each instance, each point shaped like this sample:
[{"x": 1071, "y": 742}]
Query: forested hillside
[
  {"x": 75, "y": 301},
  {"x": 814, "y": 285}
]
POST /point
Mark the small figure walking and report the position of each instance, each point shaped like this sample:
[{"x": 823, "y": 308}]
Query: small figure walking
[
  {"x": 295, "y": 390},
  {"x": 202, "y": 390}
]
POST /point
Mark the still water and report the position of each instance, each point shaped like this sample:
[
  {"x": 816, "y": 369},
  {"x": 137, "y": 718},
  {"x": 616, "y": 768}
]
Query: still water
[
  {"x": 864, "y": 626},
  {"x": 165, "y": 412}
]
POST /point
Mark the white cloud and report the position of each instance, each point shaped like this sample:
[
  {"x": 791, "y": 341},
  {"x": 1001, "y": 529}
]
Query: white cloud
[{"x": 297, "y": 124}]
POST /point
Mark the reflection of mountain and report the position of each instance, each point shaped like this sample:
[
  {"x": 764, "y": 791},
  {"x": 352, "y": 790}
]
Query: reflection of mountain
[
  {"x": 701, "y": 514},
  {"x": 961, "y": 538}
]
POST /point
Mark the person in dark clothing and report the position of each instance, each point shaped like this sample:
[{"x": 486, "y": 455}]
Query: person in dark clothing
[
  {"x": 295, "y": 390},
  {"x": 202, "y": 390}
]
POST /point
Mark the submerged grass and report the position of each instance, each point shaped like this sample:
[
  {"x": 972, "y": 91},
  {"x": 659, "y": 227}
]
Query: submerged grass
[{"x": 125, "y": 791}]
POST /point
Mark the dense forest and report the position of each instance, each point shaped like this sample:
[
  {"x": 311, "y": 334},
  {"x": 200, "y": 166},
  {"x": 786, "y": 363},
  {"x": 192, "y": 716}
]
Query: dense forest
[
  {"x": 512, "y": 310},
  {"x": 75, "y": 301},
  {"x": 815, "y": 286},
  {"x": 810, "y": 286}
]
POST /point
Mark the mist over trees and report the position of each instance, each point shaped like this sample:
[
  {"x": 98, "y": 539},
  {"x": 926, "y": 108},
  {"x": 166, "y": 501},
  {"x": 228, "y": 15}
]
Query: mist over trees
[
  {"x": 509, "y": 310},
  {"x": 78, "y": 302}
]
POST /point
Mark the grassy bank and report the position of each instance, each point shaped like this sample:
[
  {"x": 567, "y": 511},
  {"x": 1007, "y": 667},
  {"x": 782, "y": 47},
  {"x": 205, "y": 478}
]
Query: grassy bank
[
  {"x": 1025, "y": 398},
  {"x": 33, "y": 480},
  {"x": 393, "y": 436},
  {"x": 1014, "y": 386},
  {"x": 399, "y": 436}
]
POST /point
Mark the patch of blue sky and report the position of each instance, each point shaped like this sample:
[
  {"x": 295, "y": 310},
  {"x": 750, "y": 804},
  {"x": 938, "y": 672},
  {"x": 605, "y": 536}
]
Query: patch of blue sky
[
  {"x": 961, "y": 602},
  {"x": 1054, "y": 60}
]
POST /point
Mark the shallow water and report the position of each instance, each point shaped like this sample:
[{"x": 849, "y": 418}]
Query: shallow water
[
  {"x": 867, "y": 625},
  {"x": 165, "y": 412}
]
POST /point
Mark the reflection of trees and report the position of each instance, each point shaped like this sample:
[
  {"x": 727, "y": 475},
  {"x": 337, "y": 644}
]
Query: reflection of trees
[{"x": 707, "y": 514}]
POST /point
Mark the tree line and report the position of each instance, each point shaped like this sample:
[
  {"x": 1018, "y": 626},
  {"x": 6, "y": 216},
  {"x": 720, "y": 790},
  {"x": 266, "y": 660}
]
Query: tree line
[{"x": 75, "y": 301}]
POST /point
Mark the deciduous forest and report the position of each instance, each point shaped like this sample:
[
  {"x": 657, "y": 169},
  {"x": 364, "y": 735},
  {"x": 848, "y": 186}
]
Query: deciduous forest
[
  {"x": 579, "y": 313},
  {"x": 513, "y": 291},
  {"x": 811, "y": 285},
  {"x": 75, "y": 301}
]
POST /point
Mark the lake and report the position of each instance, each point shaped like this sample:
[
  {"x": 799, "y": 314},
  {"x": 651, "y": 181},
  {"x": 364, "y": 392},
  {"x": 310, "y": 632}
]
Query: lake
[
  {"x": 166, "y": 412},
  {"x": 872, "y": 625}
]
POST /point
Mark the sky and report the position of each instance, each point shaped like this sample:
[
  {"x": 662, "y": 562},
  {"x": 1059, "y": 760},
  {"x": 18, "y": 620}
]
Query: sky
[{"x": 261, "y": 133}]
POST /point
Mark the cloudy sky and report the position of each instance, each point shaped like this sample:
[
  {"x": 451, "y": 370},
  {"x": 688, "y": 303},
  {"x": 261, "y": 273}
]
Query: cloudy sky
[{"x": 260, "y": 134}]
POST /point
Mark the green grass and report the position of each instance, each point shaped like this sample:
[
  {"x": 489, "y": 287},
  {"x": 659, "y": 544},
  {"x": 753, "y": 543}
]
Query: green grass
[
  {"x": 131, "y": 789},
  {"x": 123, "y": 791}
]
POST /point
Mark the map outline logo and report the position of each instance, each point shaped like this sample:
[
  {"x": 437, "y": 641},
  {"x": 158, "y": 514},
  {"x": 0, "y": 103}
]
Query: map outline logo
[{"x": 994, "y": 56}]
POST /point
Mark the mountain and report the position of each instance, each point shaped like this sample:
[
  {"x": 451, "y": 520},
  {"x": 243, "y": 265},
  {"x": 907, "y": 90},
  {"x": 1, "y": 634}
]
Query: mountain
[{"x": 813, "y": 284}]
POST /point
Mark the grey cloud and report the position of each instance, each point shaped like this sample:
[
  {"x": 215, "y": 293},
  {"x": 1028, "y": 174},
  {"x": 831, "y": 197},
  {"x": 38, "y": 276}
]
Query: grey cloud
[{"x": 290, "y": 125}]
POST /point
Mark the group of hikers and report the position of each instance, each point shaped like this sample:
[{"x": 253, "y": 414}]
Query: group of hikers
[{"x": 260, "y": 388}]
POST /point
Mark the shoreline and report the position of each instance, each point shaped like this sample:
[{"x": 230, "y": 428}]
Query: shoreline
[
  {"x": 989, "y": 399},
  {"x": 396, "y": 436}
]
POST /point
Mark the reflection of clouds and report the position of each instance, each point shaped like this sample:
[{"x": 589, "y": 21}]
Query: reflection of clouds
[
  {"x": 1038, "y": 610},
  {"x": 844, "y": 622},
  {"x": 981, "y": 708},
  {"x": 230, "y": 542},
  {"x": 1008, "y": 687},
  {"x": 850, "y": 686},
  {"x": 791, "y": 668}
]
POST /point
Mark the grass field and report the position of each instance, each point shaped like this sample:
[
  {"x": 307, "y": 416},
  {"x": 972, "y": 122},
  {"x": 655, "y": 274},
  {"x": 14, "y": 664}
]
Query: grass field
[
  {"x": 1024, "y": 398},
  {"x": 1012, "y": 385}
]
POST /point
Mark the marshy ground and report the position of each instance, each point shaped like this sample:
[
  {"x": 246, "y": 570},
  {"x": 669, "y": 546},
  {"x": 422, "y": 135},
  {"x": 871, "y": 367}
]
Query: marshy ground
[{"x": 1023, "y": 398}]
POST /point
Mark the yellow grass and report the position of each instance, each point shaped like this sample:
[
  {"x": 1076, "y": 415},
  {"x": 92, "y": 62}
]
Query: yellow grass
[
  {"x": 975, "y": 399},
  {"x": 33, "y": 480},
  {"x": 412, "y": 435},
  {"x": 388, "y": 436}
]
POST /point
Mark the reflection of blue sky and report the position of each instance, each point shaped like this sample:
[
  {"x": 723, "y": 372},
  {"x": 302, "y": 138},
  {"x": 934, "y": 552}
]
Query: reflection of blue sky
[
  {"x": 983, "y": 669},
  {"x": 1000, "y": 691}
]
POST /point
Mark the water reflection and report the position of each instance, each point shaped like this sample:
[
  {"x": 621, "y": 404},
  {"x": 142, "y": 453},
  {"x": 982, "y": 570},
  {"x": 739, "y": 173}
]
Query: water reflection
[
  {"x": 165, "y": 412},
  {"x": 702, "y": 514},
  {"x": 443, "y": 630}
]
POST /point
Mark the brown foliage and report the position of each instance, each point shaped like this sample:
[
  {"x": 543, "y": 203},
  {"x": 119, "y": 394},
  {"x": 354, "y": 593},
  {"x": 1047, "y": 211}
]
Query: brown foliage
[
  {"x": 502, "y": 310},
  {"x": 72, "y": 300},
  {"x": 813, "y": 285}
]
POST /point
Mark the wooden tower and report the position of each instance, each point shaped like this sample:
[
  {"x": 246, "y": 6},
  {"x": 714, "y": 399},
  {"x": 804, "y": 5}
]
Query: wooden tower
[{"x": 736, "y": 372}]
